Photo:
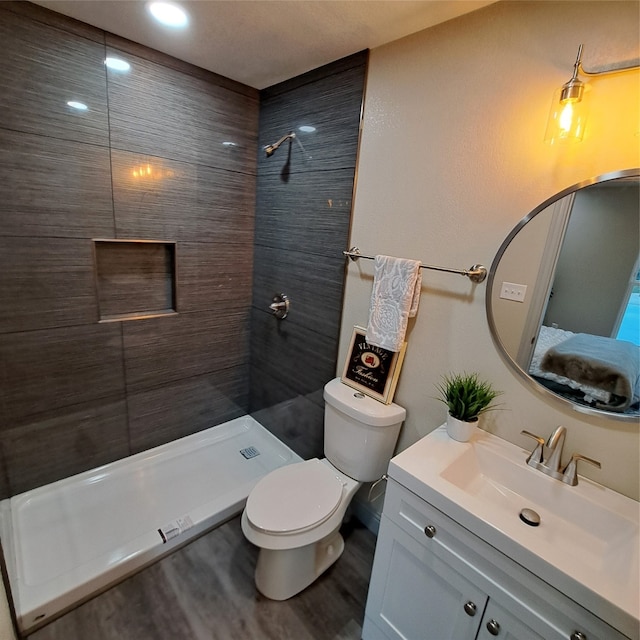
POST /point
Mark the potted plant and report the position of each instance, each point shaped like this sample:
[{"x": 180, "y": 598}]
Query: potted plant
[{"x": 466, "y": 397}]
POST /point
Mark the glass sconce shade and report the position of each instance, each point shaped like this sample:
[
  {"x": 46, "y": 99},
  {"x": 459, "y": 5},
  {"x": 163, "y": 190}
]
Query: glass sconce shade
[{"x": 568, "y": 115}]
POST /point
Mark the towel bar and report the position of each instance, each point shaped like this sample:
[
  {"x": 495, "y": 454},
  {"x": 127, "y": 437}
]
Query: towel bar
[{"x": 477, "y": 273}]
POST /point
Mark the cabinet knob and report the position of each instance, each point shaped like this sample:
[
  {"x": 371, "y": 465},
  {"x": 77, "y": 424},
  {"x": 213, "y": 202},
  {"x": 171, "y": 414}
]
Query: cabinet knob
[
  {"x": 577, "y": 635},
  {"x": 493, "y": 627},
  {"x": 470, "y": 608},
  {"x": 430, "y": 531}
]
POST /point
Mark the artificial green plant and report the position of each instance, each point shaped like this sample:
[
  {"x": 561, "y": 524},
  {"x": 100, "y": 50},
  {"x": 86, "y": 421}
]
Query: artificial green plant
[{"x": 466, "y": 395}]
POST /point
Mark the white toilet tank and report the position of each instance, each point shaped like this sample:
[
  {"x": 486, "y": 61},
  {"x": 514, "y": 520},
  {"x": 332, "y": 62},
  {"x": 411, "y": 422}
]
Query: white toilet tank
[{"x": 360, "y": 433}]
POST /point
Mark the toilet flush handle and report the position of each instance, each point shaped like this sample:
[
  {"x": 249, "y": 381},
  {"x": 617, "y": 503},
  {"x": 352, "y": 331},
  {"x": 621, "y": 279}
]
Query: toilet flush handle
[{"x": 373, "y": 486}]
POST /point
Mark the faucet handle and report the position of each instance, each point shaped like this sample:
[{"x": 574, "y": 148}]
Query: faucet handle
[
  {"x": 570, "y": 473},
  {"x": 536, "y": 454}
]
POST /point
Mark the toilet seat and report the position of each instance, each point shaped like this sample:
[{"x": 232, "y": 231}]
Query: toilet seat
[{"x": 294, "y": 498}]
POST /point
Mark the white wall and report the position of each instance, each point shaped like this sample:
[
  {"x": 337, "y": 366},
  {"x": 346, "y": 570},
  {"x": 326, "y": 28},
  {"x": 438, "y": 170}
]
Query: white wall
[{"x": 452, "y": 156}]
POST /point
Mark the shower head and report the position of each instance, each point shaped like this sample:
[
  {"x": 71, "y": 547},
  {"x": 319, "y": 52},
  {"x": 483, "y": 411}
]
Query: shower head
[{"x": 272, "y": 148}]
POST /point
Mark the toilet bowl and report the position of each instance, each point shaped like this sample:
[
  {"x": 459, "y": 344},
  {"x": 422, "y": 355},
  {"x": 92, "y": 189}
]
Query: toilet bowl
[{"x": 294, "y": 513}]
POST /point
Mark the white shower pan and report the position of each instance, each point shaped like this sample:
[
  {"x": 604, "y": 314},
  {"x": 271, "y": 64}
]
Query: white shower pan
[{"x": 66, "y": 541}]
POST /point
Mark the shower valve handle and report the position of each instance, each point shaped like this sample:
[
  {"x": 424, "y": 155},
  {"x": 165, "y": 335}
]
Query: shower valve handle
[{"x": 280, "y": 306}]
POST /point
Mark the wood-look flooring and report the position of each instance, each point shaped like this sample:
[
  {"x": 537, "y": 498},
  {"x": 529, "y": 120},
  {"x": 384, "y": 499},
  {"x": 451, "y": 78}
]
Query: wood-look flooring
[{"x": 205, "y": 591}]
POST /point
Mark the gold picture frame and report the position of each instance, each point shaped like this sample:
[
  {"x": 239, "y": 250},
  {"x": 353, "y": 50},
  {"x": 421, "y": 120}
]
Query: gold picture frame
[{"x": 372, "y": 370}]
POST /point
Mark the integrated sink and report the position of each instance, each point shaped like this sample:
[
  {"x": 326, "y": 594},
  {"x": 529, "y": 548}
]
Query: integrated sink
[
  {"x": 576, "y": 520},
  {"x": 587, "y": 541}
]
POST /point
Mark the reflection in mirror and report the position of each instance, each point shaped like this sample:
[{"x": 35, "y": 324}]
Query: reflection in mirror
[{"x": 572, "y": 327}]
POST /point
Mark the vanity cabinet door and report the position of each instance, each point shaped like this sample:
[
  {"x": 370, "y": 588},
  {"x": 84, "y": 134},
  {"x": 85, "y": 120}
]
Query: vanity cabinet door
[
  {"x": 416, "y": 593},
  {"x": 429, "y": 574}
]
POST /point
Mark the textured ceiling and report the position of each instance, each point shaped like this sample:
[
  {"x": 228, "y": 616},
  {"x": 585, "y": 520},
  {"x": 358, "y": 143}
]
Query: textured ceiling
[{"x": 262, "y": 42}]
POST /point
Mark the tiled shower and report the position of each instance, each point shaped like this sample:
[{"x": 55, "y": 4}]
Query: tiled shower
[{"x": 143, "y": 238}]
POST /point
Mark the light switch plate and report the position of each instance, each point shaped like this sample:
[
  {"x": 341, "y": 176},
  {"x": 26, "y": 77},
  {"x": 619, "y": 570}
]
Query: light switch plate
[{"x": 512, "y": 291}]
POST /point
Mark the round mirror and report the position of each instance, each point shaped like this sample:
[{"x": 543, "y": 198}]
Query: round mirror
[{"x": 563, "y": 296}]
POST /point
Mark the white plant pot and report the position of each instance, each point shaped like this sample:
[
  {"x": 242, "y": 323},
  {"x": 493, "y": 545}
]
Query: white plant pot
[{"x": 459, "y": 429}]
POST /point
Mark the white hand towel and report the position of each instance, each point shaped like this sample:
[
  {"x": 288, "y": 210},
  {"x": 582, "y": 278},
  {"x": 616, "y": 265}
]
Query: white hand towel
[{"x": 394, "y": 299}]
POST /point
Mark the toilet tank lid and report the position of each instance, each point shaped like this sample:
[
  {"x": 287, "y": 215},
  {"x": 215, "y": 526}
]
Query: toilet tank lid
[{"x": 361, "y": 407}]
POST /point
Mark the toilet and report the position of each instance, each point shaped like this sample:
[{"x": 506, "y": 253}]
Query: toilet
[{"x": 294, "y": 513}]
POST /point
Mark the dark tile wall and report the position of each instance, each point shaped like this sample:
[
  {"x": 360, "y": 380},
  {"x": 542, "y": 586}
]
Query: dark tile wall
[
  {"x": 303, "y": 213},
  {"x": 144, "y": 161}
]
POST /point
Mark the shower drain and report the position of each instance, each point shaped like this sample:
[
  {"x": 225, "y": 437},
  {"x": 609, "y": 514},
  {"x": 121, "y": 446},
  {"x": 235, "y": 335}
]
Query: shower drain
[{"x": 249, "y": 452}]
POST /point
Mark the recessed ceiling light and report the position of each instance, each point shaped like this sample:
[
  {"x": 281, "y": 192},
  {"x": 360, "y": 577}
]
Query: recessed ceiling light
[
  {"x": 80, "y": 106},
  {"x": 305, "y": 128},
  {"x": 117, "y": 64},
  {"x": 229, "y": 144},
  {"x": 168, "y": 13}
]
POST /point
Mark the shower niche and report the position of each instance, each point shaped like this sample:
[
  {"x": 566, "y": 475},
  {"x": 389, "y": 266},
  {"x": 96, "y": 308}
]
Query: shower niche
[{"x": 134, "y": 279}]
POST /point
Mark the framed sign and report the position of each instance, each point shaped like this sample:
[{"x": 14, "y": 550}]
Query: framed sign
[{"x": 372, "y": 370}]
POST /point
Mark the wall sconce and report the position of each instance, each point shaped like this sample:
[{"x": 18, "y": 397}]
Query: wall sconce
[{"x": 568, "y": 115}]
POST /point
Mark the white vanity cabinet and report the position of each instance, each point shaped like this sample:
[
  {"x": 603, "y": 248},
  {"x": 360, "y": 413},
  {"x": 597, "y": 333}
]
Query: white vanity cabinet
[{"x": 433, "y": 579}]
